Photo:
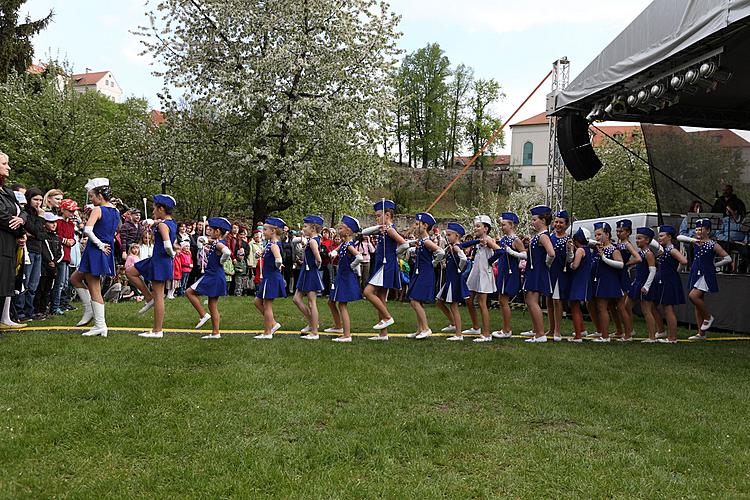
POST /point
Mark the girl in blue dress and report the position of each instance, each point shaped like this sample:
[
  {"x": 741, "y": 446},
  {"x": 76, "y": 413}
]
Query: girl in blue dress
[
  {"x": 481, "y": 282},
  {"x": 702, "y": 277},
  {"x": 580, "y": 280},
  {"x": 631, "y": 257},
  {"x": 608, "y": 280},
  {"x": 454, "y": 289},
  {"x": 158, "y": 269},
  {"x": 667, "y": 290},
  {"x": 508, "y": 279},
  {"x": 272, "y": 284},
  {"x": 384, "y": 269},
  {"x": 309, "y": 282},
  {"x": 97, "y": 259},
  {"x": 645, "y": 273},
  {"x": 213, "y": 282},
  {"x": 559, "y": 275},
  {"x": 346, "y": 287},
  {"x": 422, "y": 287},
  {"x": 540, "y": 256}
]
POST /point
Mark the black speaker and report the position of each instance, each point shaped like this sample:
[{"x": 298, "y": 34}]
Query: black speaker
[{"x": 575, "y": 147}]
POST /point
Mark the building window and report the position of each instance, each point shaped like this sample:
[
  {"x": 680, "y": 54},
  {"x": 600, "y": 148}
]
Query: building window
[
  {"x": 520, "y": 176},
  {"x": 533, "y": 179},
  {"x": 528, "y": 153},
  {"x": 716, "y": 139}
]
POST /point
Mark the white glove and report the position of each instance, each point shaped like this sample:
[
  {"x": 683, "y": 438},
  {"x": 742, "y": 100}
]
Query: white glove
[
  {"x": 89, "y": 231},
  {"x": 650, "y": 279},
  {"x": 402, "y": 248},
  {"x": 169, "y": 248},
  {"x": 549, "y": 260},
  {"x": 518, "y": 255},
  {"x": 593, "y": 243},
  {"x": 686, "y": 239},
  {"x": 438, "y": 257},
  {"x": 279, "y": 263},
  {"x": 226, "y": 254},
  {"x": 354, "y": 266},
  {"x": 333, "y": 254},
  {"x": 201, "y": 241},
  {"x": 724, "y": 261},
  {"x": 371, "y": 230},
  {"x": 654, "y": 246},
  {"x": 612, "y": 262}
]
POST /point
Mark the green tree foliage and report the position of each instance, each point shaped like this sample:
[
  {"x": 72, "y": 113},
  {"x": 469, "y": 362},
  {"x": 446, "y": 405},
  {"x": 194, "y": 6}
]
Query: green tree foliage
[{"x": 16, "y": 50}]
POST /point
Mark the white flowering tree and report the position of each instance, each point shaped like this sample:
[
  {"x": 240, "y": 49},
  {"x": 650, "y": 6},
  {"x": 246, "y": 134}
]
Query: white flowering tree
[{"x": 299, "y": 83}]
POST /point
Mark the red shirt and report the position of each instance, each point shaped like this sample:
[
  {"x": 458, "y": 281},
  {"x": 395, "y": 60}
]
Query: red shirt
[{"x": 66, "y": 229}]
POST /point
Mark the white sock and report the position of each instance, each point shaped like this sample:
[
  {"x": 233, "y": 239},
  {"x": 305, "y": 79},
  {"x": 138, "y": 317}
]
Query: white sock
[{"x": 6, "y": 313}]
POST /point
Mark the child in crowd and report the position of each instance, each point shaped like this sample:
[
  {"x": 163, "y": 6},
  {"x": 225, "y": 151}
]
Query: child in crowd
[
  {"x": 241, "y": 273},
  {"x": 133, "y": 257},
  {"x": 176, "y": 274},
  {"x": 186, "y": 264},
  {"x": 454, "y": 289},
  {"x": 272, "y": 284},
  {"x": 309, "y": 283},
  {"x": 51, "y": 258},
  {"x": 346, "y": 288}
]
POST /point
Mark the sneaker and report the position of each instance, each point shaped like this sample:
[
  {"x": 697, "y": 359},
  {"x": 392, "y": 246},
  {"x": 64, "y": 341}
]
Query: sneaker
[
  {"x": 275, "y": 328},
  {"x": 649, "y": 341},
  {"x": 449, "y": 329},
  {"x": 593, "y": 335},
  {"x": 151, "y": 335},
  {"x": 383, "y": 323},
  {"x": 70, "y": 308},
  {"x": 264, "y": 336},
  {"x": 530, "y": 333},
  {"x": 455, "y": 338},
  {"x": 39, "y": 317},
  {"x": 537, "y": 340},
  {"x": 697, "y": 337},
  {"x": 624, "y": 339},
  {"x": 203, "y": 321},
  {"x": 311, "y": 336},
  {"x": 334, "y": 330},
  {"x": 667, "y": 341},
  {"x": 211, "y": 336},
  {"x": 472, "y": 331},
  {"x": 662, "y": 335},
  {"x": 342, "y": 339},
  {"x": 424, "y": 334},
  {"x": 499, "y": 334},
  {"x": 482, "y": 338},
  {"x": 707, "y": 324},
  {"x": 58, "y": 312},
  {"x": 378, "y": 337},
  {"x": 601, "y": 339},
  {"x": 573, "y": 339},
  {"x": 146, "y": 307},
  {"x": 12, "y": 326},
  {"x": 557, "y": 338}
]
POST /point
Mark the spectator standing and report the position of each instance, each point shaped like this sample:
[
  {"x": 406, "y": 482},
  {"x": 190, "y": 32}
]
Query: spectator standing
[
  {"x": 51, "y": 258},
  {"x": 131, "y": 230},
  {"x": 11, "y": 228},
  {"x": 33, "y": 267},
  {"x": 66, "y": 235},
  {"x": 287, "y": 258},
  {"x": 365, "y": 249},
  {"x": 147, "y": 245},
  {"x": 186, "y": 264}
]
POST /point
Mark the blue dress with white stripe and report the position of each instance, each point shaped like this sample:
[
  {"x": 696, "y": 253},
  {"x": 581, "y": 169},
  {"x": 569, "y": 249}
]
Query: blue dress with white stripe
[
  {"x": 508, "y": 275},
  {"x": 581, "y": 288},
  {"x": 558, "y": 272},
  {"x": 213, "y": 283},
  {"x": 93, "y": 260},
  {"x": 272, "y": 284},
  {"x": 346, "y": 287},
  {"x": 454, "y": 289},
  {"x": 608, "y": 280},
  {"x": 422, "y": 287},
  {"x": 388, "y": 274},
  {"x": 537, "y": 272},
  {"x": 309, "y": 277},
  {"x": 160, "y": 266}
]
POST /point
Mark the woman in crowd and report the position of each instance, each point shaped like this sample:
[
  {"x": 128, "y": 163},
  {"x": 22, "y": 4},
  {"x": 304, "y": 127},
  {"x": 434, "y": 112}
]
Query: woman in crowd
[
  {"x": 34, "y": 228},
  {"x": 52, "y": 200},
  {"x": 11, "y": 228}
]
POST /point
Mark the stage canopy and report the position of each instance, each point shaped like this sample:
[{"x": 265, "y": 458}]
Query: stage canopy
[{"x": 680, "y": 62}]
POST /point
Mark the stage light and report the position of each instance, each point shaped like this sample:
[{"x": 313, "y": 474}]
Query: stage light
[
  {"x": 711, "y": 70},
  {"x": 642, "y": 97},
  {"x": 632, "y": 100},
  {"x": 657, "y": 91},
  {"x": 677, "y": 82},
  {"x": 616, "y": 106}
]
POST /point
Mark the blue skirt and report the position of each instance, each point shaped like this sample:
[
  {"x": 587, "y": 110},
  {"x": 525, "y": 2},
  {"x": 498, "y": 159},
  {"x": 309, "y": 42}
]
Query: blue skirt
[
  {"x": 272, "y": 286},
  {"x": 386, "y": 276},
  {"x": 157, "y": 269},
  {"x": 346, "y": 288},
  {"x": 309, "y": 280},
  {"x": 537, "y": 280},
  {"x": 667, "y": 290},
  {"x": 422, "y": 287},
  {"x": 93, "y": 261},
  {"x": 211, "y": 285},
  {"x": 508, "y": 284}
]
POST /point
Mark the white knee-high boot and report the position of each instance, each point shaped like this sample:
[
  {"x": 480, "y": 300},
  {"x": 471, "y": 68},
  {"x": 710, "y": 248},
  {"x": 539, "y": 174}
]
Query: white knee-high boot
[
  {"x": 100, "y": 326},
  {"x": 88, "y": 315},
  {"x": 6, "y": 321}
]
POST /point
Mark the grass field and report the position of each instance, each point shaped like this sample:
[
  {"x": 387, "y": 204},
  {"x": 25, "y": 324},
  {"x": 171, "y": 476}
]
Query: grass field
[{"x": 180, "y": 417}]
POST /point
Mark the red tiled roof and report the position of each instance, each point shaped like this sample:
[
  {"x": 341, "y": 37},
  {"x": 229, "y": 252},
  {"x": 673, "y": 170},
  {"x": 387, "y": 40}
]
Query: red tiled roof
[
  {"x": 496, "y": 160},
  {"x": 540, "y": 119},
  {"x": 157, "y": 117},
  {"x": 36, "y": 69},
  {"x": 89, "y": 78}
]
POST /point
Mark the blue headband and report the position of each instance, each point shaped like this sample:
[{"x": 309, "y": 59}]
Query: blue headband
[
  {"x": 166, "y": 200},
  {"x": 510, "y": 216},
  {"x": 645, "y": 231},
  {"x": 383, "y": 205},
  {"x": 313, "y": 219},
  {"x": 457, "y": 228},
  {"x": 275, "y": 221},
  {"x": 426, "y": 218},
  {"x": 351, "y": 223},
  {"x": 219, "y": 223}
]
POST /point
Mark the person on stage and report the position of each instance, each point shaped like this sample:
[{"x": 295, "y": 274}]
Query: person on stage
[
  {"x": 422, "y": 287},
  {"x": 558, "y": 273},
  {"x": 97, "y": 259},
  {"x": 454, "y": 288},
  {"x": 384, "y": 271},
  {"x": 579, "y": 254},
  {"x": 346, "y": 287},
  {"x": 645, "y": 273},
  {"x": 630, "y": 257},
  {"x": 608, "y": 280},
  {"x": 702, "y": 277},
  {"x": 508, "y": 279},
  {"x": 481, "y": 281},
  {"x": 309, "y": 282},
  {"x": 159, "y": 268},
  {"x": 667, "y": 291},
  {"x": 541, "y": 255},
  {"x": 213, "y": 282},
  {"x": 272, "y": 284}
]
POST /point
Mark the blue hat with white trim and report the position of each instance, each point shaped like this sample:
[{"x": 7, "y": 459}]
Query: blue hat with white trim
[
  {"x": 540, "y": 210},
  {"x": 166, "y": 200},
  {"x": 426, "y": 218},
  {"x": 219, "y": 223},
  {"x": 313, "y": 219},
  {"x": 582, "y": 235},
  {"x": 625, "y": 224},
  {"x": 351, "y": 222},
  {"x": 703, "y": 223},
  {"x": 275, "y": 221},
  {"x": 562, "y": 214},
  {"x": 383, "y": 205},
  {"x": 667, "y": 229},
  {"x": 510, "y": 216},
  {"x": 602, "y": 225},
  {"x": 645, "y": 231},
  {"x": 457, "y": 228}
]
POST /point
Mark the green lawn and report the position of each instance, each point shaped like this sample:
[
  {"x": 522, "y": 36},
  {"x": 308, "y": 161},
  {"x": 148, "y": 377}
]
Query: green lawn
[{"x": 177, "y": 417}]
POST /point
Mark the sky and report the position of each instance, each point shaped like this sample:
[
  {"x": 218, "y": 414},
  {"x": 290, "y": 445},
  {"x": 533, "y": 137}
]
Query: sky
[{"x": 512, "y": 41}]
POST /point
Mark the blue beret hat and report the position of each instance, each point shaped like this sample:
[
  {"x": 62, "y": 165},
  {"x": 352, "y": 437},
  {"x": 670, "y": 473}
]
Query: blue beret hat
[
  {"x": 667, "y": 229},
  {"x": 625, "y": 223},
  {"x": 645, "y": 231},
  {"x": 602, "y": 225},
  {"x": 510, "y": 216},
  {"x": 703, "y": 223},
  {"x": 581, "y": 236},
  {"x": 351, "y": 223},
  {"x": 540, "y": 210},
  {"x": 456, "y": 227},
  {"x": 313, "y": 219},
  {"x": 219, "y": 223},
  {"x": 275, "y": 221},
  {"x": 562, "y": 214},
  {"x": 166, "y": 200},
  {"x": 384, "y": 204},
  {"x": 426, "y": 218}
]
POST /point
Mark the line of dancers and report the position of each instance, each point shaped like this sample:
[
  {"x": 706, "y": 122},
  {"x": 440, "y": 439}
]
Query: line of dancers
[{"x": 560, "y": 265}]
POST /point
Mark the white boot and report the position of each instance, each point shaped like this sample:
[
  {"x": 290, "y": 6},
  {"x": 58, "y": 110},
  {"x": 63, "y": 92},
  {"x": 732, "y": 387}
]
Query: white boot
[
  {"x": 88, "y": 315},
  {"x": 6, "y": 322},
  {"x": 100, "y": 327}
]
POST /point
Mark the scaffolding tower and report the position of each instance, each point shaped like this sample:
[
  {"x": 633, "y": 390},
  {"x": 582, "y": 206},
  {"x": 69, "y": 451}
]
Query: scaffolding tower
[{"x": 555, "y": 165}]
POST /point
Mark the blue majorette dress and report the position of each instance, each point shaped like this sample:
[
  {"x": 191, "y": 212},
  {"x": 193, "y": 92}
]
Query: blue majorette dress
[
  {"x": 667, "y": 287},
  {"x": 422, "y": 286},
  {"x": 346, "y": 287},
  {"x": 309, "y": 277},
  {"x": 559, "y": 275},
  {"x": 608, "y": 280},
  {"x": 537, "y": 272},
  {"x": 93, "y": 260},
  {"x": 386, "y": 275},
  {"x": 703, "y": 270},
  {"x": 454, "y": 289},
  {"x": 625, "y": 273},
  {"x": 580, "y": 281},
  {"x": 508, "y": 278},
  {"x": 272, "y": 284},
  {"x": 641, "y": 275},
  {"x": 213, "y": 282},
  {"x": 160, "y": 266}
]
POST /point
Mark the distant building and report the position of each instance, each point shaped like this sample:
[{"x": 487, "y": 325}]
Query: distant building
[
  {"x": 498, "y": 162},
  {"x": 101, "y": 81}
]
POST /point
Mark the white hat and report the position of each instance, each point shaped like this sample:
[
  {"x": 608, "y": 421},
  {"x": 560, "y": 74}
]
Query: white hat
[
  {"x": 483, "y": 219},
  {"x": 50, "y": 217},
  {"x": 95, "y": 183}
]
